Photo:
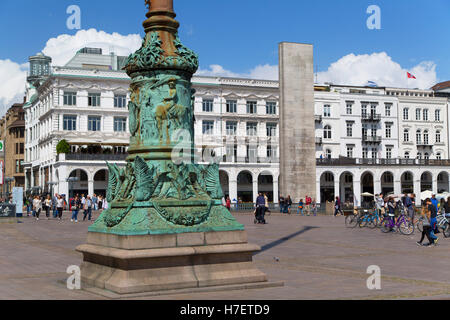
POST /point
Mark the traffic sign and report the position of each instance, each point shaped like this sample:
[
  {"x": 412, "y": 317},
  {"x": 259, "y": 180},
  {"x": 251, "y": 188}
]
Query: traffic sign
[{"x": 1, "y": 146}]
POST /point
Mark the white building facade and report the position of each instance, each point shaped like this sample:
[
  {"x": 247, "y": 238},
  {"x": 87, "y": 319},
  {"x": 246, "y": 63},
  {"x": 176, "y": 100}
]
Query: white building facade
[{"x": 361, "y": 144}]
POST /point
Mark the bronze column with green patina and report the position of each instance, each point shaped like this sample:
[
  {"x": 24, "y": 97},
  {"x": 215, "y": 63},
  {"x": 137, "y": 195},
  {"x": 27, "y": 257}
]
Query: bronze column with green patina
[{"x": 161, "y": 190}]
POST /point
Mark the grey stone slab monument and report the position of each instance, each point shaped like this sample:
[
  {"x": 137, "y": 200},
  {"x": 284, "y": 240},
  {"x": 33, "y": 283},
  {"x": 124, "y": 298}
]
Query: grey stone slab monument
[{"x": 297, "y": 134}]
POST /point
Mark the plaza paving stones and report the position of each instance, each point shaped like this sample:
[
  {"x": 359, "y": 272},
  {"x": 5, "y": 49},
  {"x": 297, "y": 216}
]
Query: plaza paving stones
[{"x": 316, "y": 257}]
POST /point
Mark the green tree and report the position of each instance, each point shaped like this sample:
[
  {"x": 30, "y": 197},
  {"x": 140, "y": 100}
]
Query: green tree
[{"x": 63, "y": 147}]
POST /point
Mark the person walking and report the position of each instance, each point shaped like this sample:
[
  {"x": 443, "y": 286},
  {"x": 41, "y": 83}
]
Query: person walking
[
  {"x": 37, "y": 207},
  {"x": 266, "y": 203},
  {"x": 308, "y": 201},
  {"x": 94, "y": 202},
  {"x": 88, "y": 209},
  {"x": 260, "y": 209},
  {"x": 314, "y": 207},
  {"x": 426, "y": 229},
  {"x": 288, "y": 204},
  {"x": 60, "y": 206},
  {"x": 337, "y": 207},
  {"x": 435, "y": 202},
  {"x": 54, "y": 203},
  {"x": 281, "y": 203},
  {"x": 228, "y": 204},
  {"x": 75, "y": 206},
  {"x": 391, "y": 211},
  {"x": 300, "y": 207},
  {"x": 48, "y": 206},
  {"x": 379, "y": 202},
  {"x": 433, "y": 220}
]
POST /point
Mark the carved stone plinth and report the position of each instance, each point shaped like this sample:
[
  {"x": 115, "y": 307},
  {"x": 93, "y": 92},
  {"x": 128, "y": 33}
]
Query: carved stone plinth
[{"x": 139, "y": 264}]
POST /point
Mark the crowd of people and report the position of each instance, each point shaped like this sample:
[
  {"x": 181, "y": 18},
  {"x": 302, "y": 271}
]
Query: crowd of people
[
  {"x": 56, "y": 205},
  {"x": 307, "y": 207}
]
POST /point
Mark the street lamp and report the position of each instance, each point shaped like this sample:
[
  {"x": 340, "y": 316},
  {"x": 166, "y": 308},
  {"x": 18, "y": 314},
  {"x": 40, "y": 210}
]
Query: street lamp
[
  {"x": 8, "y": 181},
  {"x": 71, "y": 181}
]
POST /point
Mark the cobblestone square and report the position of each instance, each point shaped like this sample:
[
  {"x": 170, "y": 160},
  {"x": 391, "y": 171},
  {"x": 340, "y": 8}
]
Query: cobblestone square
[{"x": 316, "y": 257}]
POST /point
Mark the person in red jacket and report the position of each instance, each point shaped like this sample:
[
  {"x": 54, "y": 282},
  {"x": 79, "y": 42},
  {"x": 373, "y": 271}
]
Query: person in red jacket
[{"x": 308, "y": 205}]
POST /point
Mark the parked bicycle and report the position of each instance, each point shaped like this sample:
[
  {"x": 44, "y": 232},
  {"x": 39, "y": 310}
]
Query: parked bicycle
[{"x": 402, "y": 224}]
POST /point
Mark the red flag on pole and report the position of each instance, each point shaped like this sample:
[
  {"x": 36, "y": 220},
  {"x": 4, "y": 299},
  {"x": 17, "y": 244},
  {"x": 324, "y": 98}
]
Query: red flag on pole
[{"x": 410, "y": 76}]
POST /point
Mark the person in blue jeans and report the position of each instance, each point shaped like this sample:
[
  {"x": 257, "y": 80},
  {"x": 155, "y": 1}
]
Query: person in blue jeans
[
  {"x": 75, "y": 205},
  {"x": 88, "y": 209},
  {"x": 433, "y": 220},
  {"x": 54, "y": 203},
  {"x": 301, "y": 205}
]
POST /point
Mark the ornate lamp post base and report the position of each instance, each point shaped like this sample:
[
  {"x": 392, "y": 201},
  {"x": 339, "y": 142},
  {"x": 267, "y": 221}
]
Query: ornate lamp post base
[{"x": 165, "y": 227}]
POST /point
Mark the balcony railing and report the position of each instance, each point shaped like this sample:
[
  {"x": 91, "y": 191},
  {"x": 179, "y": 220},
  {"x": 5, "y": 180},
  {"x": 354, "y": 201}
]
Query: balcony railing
[
  {"x": 371, "y": 117},
  {"x": 372, "y": 139},
  {"x": 424, "y": 144},
  {"x": 386, "y": 162},
  {"x": 95, "y": 157}
]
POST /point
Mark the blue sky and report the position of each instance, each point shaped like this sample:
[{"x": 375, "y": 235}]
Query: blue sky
[{"x": 240, "y": 35}]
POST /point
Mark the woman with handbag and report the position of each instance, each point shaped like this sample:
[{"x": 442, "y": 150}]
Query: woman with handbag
[{"x": 426, "y": 228}]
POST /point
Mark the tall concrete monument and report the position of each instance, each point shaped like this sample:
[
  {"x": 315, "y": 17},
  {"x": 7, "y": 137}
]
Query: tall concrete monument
[
  {"x": 297, "y": 134},
  {"x": 165, "y": 227}
]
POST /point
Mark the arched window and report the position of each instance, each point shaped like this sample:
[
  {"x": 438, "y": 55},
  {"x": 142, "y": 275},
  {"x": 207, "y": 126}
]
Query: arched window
[
  {"x": 418, "y": 137},
  {"x": 425, "y": 114},
  {"x": 406, "y": 155},
  {"x": 427, "y": 156},
  {"x": 418, "y": 113},
  {"x": 438, "y": 156},
  {"x": 425, "y": 137},
  {"x": 406, "y": 135},
  {"x": 327, "y": 132},
  {"x": 419, "y": 155},
  {"x": 438, "y": 136}
]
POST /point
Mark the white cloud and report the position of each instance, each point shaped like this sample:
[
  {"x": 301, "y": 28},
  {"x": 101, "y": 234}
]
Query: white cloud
[
  {"x": 264, "y": 72},
  {"x": 62, "y": 48},
  {"x": 12, "y": 84},
  {"x": 378, "y": 67}
]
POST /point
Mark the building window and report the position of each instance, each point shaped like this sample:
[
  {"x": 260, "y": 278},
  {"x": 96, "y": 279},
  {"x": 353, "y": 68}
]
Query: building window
[
  {"x": 406, "y": 135},
  {"x": 271, "y": 152},
  {"x": 327, "y": 132},
  {"x": 438, "y": 136},
  {"x": 418, "y": 137},
  {"x": 327, "y": 111},
  {"x": 365, "y": 153},
  {"x": 407, "y": 155},
  {"x": 425, "y": 137},
  {"x": 349, "y": 129},
  {"x": 231, "y": 128},
  {"x": 252, "y": 128},
  {"x": 94, "y": 123},
  {"x": 120, "y": 101},
  {"x": 418, "y": 113},
  {"x": 388, "y": 131},
  {"x": 231, "y": 106},
  {"x": 208, "y": 127},
  {"x": 70, "y": 99},
  {"x": 405, "y": 114},
  {"x": 328, "y": 154},
  {"x": 271, "y": 129},
  {"x": 438, "y": 156},
  {"x": 120, "y": 124},
  {"x": 251, "y": 107},
  {"x": 364, "y": 110},
  {"x": 349, "y": 108},
  {"x": 208, "y": 105},
  {"x": 425, "y": 115},
  {"x": 437, "y": 115},
  {"x": 17, "y": 166},
  {"x": 419, "y": 155},
  {"x": 94, "y": 99},
  {"x": 426, "y": 156},
  {"x": 387, "y": 110},
  {"x": 70, "y": 123},
  {"x": 388, "y": 152},
  {"x": 271, "y": 108},
  {"x": 349, "y": 151},
  {"x": 329, "y": 177}
]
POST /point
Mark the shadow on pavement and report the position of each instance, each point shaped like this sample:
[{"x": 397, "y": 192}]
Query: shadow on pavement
[{"x": 284, "y": 239}]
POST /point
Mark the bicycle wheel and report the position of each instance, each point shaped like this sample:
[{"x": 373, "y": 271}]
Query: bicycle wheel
[
  {"x": 351, "y": 221},
  {"x": 372, "y": 223},
  {"x": 386, "y": 225},
  {"x": 447, "y": 230},
  {"x": 406, "y": 228},
  {"x": 362, "y": 221},
  {"x": 419, "y": 225}
]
